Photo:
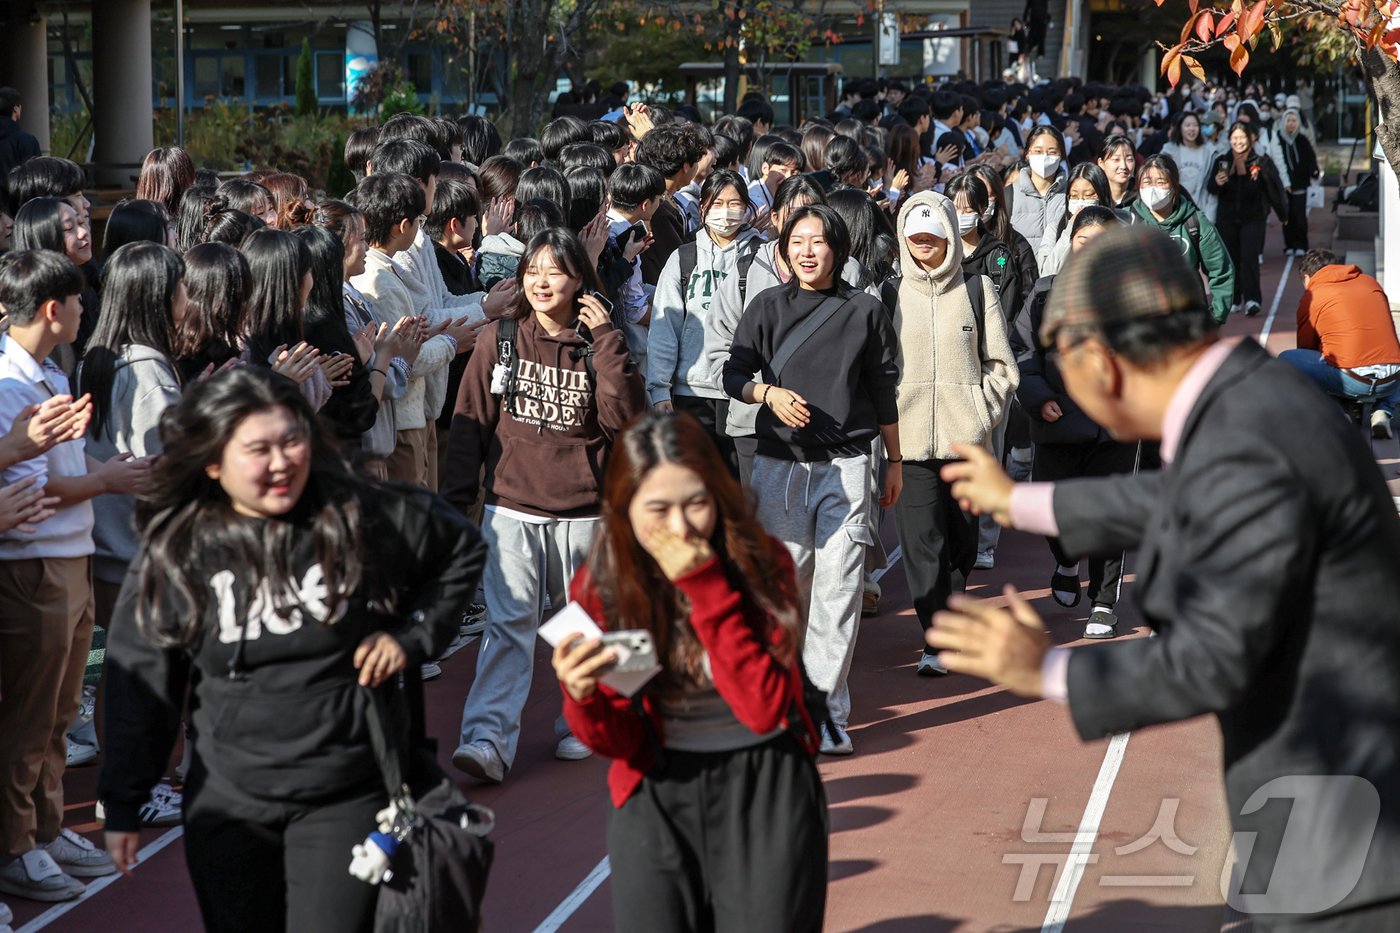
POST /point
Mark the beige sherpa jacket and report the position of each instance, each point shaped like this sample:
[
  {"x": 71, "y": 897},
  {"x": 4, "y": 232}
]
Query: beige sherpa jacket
[{"x": 947, "y": 394}]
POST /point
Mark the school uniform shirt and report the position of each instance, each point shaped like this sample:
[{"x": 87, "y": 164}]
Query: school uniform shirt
[{"x": 25, "y": 381}]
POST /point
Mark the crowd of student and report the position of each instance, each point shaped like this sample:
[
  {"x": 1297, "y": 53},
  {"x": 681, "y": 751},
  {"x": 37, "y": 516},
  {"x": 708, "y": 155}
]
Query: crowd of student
[{"x": 228, "y": 380}]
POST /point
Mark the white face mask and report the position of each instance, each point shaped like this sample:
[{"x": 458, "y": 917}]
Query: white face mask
[
  {"x": 1155, "y": 197},
  {"x": 1044, "y": 165},
  {"x": 966, "y": 222},
  {"x": 990, "y": 212},
  {"x": 724, "y": 222},
  {"x": 1078, "y": 204}
]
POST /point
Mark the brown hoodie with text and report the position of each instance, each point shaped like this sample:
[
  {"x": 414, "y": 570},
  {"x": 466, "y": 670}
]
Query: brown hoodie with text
[{"x": 543, "y": 451}]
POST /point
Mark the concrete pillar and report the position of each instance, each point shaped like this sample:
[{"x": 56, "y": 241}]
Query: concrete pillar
[
  {"x": 25, "y": 68},
  {"x": 1388, "y": 238},
  {"x": 121, "y": 87}
]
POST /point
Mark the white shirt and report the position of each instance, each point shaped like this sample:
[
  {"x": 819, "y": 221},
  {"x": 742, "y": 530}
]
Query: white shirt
[
  {"x": 632, "y": 294},
  {"x": 25, "y": 382}
]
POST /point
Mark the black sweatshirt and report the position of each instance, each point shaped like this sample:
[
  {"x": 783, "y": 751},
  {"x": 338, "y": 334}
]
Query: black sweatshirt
[
  {"x": 275, "y": 702},
  {"x": 847, "y": 371}
]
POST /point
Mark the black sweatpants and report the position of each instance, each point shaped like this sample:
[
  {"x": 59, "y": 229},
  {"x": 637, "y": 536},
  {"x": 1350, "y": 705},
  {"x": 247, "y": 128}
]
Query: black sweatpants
[
  {"x": 938, "y": 538},
  {"x": 260, "y": 865},
  {"x": 712, "y": 413},
  {"x": 722, "y": 842},
  {"x": 1245, "y": 244},
  {"x": 1295, "y": 232},
  {"x": 1055, "y": 462},
  {"x": 745, "y": 449}
]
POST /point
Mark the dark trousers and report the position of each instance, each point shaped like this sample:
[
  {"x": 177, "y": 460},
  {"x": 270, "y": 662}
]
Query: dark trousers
[
  {"x": 1295, "y": 232},
  {"x": 745, "y": 449},
  {"x": 722, "y": 841},
  {"x": 712, "y": 413},
  {"x": 1382, "y": 916},
  {"x": 938, "y": 538},
  {"x": 1055, "y": 462},
  {"x": 1245, "y": 244},
  {"x": 261, "y": 865}
]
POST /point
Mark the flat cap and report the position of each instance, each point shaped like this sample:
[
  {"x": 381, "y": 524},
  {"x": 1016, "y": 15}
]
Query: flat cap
[{"x": 1126, "y": 274}]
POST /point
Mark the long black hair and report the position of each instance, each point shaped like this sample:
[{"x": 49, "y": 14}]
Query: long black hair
[
  {"x": 279, "y": 262},
  {"x": 139, "y": 284},
  {"x": 325, "y": 308},
  {"x": 1096, "y": 177},
  {"x": 136, "y": 221},
  {"x": 193, "y": 216},
  {"x": 217, "y": 283},
  {"x": 873, "y": 241},
  {"x": 189, "y": 531},
  {"x": 39, "y": 225}
]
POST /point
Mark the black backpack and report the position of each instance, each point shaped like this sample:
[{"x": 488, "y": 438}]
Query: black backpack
[
  {"x": 506, "y": 330},
  {"x": 689, "y": 253}
]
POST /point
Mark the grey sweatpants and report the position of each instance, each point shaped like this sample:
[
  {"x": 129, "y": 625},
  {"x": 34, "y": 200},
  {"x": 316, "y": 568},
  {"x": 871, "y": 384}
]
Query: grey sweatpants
[
  {"x": 525, "y": 561},
  {"x": 821, "y": 511}
]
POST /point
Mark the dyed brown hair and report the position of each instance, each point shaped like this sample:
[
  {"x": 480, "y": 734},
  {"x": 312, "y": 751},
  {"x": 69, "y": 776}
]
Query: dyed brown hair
[
  {"x": 166, "y": 174},
  {"x": 633, "y": 590}
]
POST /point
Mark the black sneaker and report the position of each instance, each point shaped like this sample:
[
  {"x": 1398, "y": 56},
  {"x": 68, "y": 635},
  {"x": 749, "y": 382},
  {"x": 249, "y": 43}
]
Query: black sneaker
[
  {"x": 473, "y": 621},
  {"x": 1252, "y": 309}
]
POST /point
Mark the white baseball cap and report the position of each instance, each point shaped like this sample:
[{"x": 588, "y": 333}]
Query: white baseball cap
[{"x": 925, "y": 218}]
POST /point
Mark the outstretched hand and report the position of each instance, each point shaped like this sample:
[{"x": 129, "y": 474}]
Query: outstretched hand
[
  {"x": 980, "y": 485},
  {"x": 1004, "y": 645}
]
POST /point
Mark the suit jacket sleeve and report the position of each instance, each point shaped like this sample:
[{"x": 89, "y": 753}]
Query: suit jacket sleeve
[
  {"x": 1241, "y": 550},
  {"x": 1105, "y": 516}
]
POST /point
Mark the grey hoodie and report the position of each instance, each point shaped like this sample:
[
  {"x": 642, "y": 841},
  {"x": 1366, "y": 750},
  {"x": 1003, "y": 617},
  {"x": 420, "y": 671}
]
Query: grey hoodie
[
  {"x": 144, "y": 385},
  {"x": 681, "y": 319}
]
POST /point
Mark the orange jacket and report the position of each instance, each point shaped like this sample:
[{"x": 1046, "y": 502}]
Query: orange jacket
[{"x": 1345, "y": 315}]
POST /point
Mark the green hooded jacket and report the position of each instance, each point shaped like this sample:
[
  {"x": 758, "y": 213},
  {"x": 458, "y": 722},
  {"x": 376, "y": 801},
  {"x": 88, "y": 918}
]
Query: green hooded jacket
[{"x": 1205, "y": 251}]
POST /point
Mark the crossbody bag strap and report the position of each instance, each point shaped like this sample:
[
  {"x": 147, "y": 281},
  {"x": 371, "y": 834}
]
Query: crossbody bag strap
[
  {"x": 381, "y": 741},
  {"x": 802, "y": 332}
]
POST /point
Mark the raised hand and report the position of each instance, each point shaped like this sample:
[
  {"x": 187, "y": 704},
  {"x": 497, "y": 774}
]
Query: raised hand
[{"x": 297, "y": 364}]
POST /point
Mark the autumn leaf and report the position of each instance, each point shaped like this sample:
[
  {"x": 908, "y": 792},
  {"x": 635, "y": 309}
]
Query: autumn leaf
[
  {"x": 1253, "y": 21},
  {"x": 1239, "y": 59},
  {"x": 1194, "y": 67},
  {"x": 1174, "y": 71},
  {"x": 1205, "y": 26},
  {"x": 1224, "y": 25},
  {"x": 1172, "y": 54}
]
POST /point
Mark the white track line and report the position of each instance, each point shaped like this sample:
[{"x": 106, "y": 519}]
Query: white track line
[
  {"x": 1273, "y": 308},
  {"x": 1063, "y": 898},
  {"x": 566, "y": 907},
  {"x": 53, "y": 913}
]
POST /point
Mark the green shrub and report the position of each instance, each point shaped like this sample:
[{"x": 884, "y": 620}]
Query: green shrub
[{"x": 306, "y": 82}]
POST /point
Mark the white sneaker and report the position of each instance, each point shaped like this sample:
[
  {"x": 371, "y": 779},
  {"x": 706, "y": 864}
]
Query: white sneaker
[
  {"x": 78, "y": 857},
  {"x": 986, "y": 560},
  {"x": 165, "y": 808},
  {"x": 835, "y": 740},
  {"x": 570, "y": 748},
  {"x": 37, "y": 877},
  {"x": 6, "y": 915},
  {"x": 431, "y": 671},
  {"x": 1380, "y": 425},
  {"x": 481, "y": 761},
  {"x": 930, "y": 666},
  {"x": 79, "y": 753}
]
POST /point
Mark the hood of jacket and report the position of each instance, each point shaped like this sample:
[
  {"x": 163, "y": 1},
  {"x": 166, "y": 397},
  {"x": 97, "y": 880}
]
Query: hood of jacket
[
  {"x": 1282, "y": 122},
  {"x": 502, "y": 243},
  {"x": 1335, "y": 274},
  {"x": 949, "y": 272},
  {"x": 136, "y": 353}
]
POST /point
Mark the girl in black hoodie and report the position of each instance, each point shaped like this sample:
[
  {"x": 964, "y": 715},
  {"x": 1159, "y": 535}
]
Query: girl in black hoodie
[{"x": 275, "y": 587}]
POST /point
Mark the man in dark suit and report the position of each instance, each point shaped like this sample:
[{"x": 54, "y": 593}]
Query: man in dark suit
[{"x": 1269, "y": 567}]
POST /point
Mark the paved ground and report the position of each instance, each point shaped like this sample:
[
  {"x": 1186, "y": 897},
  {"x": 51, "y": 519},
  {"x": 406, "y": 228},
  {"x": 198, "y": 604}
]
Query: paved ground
[{"x": 957, "y": 812}]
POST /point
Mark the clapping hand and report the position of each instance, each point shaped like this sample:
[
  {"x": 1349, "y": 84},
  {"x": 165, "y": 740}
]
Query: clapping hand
[
  {"x": 23, "y": 505},
  {"x": 337, "y": 367},
  {"x": 297, "y": 364},
  {"x": 39, "y": 427},
  {"x": 979, "y": 483},
  {"x": 1006, "y": 646}
]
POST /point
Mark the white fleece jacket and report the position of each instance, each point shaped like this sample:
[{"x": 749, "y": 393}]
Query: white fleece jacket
[{"x": 948, "y": 392}]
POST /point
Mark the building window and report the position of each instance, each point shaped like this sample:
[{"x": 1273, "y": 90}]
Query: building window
[
  {"x": 419, "y": 71},
  {"x": 269, "y": 76},
  {"x": 330, "y": 75}
]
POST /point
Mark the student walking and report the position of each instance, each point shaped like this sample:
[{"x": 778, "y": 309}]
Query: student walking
[
  {"x": 825, "y": 359},
  {"x": 956, "y": 380},
  {"x": 546, "y": 391},
  {"x": 1248, "y": 187},
  {"x": 341, "y": 585},
  {"x": 719, "y": 818},
  {"x": 678, "y": 373}
]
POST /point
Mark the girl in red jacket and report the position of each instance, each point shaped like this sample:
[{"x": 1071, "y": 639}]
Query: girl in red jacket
[{"x": 720, "y": 818}]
